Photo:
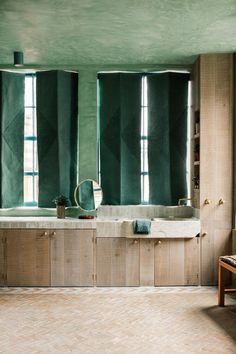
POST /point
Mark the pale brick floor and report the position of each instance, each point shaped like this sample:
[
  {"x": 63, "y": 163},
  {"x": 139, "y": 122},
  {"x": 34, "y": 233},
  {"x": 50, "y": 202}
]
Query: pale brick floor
[{"x": 116, "y": 320}]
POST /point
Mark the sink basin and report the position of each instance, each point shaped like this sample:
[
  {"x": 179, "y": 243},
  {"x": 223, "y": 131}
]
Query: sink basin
[{"x": 170, "y": 227}]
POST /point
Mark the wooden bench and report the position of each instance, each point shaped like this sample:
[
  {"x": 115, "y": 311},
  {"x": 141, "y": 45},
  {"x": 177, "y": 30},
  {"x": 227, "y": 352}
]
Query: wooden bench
[{"x": 225, "y": 263}]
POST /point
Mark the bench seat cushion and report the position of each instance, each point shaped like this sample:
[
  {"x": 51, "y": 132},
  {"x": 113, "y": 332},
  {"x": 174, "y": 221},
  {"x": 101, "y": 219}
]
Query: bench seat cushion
[{"x": 229, "y": 259}]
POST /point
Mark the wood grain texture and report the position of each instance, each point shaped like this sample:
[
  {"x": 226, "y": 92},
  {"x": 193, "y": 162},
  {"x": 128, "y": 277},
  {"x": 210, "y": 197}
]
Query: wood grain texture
[
  {"x": 2, "y": 258},
  {"x": 117, "y": 262},
  {"x": 132, "y": 262},
  {"x": 118, "y": 266},
  {"x": 146, "y": 262},
  {"x": 177, "y": 262},
  {"x": 192, "y": 261},
  {"x": 72, "y": 262},
  {"x": 28, "y": 258},
  {"x": 104, "y": 261},
  {"x": 57, "y": 254},
  {"x": 216, "y": 172}
]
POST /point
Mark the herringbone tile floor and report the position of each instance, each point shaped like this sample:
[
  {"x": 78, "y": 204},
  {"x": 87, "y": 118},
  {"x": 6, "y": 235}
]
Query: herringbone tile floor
[{"x": 116, "y": 321}]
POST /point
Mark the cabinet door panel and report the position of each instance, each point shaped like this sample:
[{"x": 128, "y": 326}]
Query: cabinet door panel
[
  {"x": 177, "y": 262},
  {"x": 28, "y": 258},
  {"x": 117, "y": 262},
  {"x": 146, "y": 262},
  {"x": 169, "y": 262},
  {"x": 192, "y": 261},
  {"x": 72, "y": 258},
  {"x": 132, "y": 262},
  {"x": 104, "y": 261},
  {"x": 118, "y": 266},
  {"x": 2, "y": 259}
]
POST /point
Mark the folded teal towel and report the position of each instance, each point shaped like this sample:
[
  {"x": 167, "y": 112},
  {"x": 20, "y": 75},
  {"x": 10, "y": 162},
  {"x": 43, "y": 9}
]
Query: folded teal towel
[{"x": 142, "y": 226}]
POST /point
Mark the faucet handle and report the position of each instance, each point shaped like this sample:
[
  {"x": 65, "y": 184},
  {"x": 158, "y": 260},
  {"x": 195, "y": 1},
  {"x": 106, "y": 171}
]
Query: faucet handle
[
  {"x": 221, "y": 201},
  {"x": 207, "y": 201}
]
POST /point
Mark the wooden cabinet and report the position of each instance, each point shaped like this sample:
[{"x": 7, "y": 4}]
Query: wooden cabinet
[
  {"x": 131, "y": 262},
  {"x": 3, "y": 274},
  {"x": 117, "y": 261},
  {"x": 28, "y": 258},
  {"x": 213, "y": 87},
  {"x": 177, "y": 262},
  {"x": 72, "y": 258},
  {"x": 41, "y": 257}
]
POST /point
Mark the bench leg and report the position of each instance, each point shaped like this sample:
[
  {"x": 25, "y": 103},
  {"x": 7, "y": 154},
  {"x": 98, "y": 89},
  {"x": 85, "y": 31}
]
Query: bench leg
[{"x": 221, "y": 286}]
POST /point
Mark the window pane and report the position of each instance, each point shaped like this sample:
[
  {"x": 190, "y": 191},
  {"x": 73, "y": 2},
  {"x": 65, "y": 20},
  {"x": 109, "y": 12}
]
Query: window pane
[
  {"x": 28, "y": 189},
  {"x": 145, "y": 157},
  {"x": 30, "y": 142},
  {"x": 145, "y": 121},
  {"x": 28, "y": 91},
  {"x": 28, "y": 156},
  {"x": 145, "y": 188},
  {"x": 144, "y": 144},
  {"x": 29, "y": 116},
  {"x": 145, "y": 91}
]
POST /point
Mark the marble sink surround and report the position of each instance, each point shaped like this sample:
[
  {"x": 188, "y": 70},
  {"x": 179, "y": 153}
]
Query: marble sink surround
[
  {"x": 167, "y": 221},
  {"x": 115, "y": 221},
  {"x": 166, "y": 228}
]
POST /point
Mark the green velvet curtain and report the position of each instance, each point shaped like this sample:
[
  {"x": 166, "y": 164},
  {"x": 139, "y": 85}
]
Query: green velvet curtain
[
  {"x": 12, "y": 139},
  {"x": 120, "y": 117},
  {"x": 167, "y": 149},
  {"x": 86, "y": 196},
  {"x": 57, "y": 115}
]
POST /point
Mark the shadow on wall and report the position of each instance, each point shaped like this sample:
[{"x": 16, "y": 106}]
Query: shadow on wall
[{"x": 224, "y": 317}]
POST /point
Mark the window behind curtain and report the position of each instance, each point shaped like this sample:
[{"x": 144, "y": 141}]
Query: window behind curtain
[
  {"x": 108, "y": 89},
  {"x": 144, "y": 143},
  {"x": 30, "y": 143}
]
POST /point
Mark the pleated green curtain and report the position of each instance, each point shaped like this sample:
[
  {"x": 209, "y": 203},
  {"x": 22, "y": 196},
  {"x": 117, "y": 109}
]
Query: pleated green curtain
[
  {"x": 57, "y": 115},
  {"x": 120, "y": 119},
  {"x": 86, "y": 195},
  {"x": 12, "y": 139},
  {"x": 167, "y": 147}
]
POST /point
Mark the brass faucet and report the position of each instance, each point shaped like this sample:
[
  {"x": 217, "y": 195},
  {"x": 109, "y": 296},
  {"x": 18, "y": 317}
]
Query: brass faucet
[{"x": 182, "y": 200}]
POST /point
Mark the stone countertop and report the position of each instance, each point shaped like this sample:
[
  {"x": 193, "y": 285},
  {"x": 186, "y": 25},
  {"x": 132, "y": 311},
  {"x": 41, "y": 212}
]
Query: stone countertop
[
  {"x": 45, "y": 222},
  {"x": 105, "y": 227}
]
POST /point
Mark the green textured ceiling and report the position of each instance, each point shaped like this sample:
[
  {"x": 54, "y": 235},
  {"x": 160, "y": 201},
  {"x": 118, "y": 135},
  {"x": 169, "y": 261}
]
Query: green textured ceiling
[{"x": 113, "y": 32}]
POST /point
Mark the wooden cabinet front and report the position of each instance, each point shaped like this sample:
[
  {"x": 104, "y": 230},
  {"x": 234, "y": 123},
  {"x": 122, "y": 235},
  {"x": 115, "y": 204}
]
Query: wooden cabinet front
[
  {"x": 47, "y": 257},
  {"x": 72, "y": 258},
  {"x": 28, "y": 257},
  {"x": 3, "y": 274},
  {"x": 130, "y": 262},
  {"x": 216, "y": 171},
  {"x": 117, "y": 262},
  {"x": 177, "y": 262}
]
